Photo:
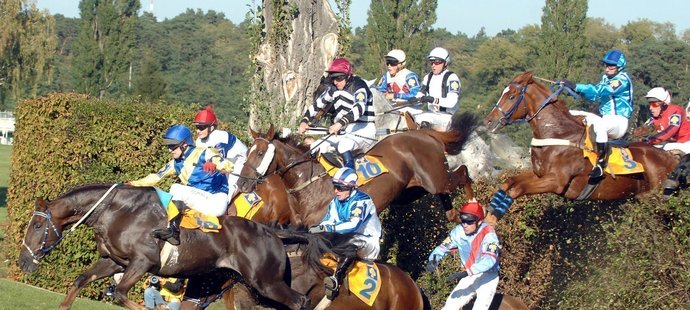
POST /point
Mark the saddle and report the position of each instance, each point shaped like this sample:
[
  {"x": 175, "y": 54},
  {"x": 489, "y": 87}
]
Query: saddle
[
  {"x": 337, "y": 161},
  {"x": 620, "y": 159},
  {"x": 362, "y": 279}
]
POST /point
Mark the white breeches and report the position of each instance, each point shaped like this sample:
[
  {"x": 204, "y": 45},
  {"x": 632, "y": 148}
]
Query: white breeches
[
  {"x": 200, "y": 200},
  {"x": 439, "y": 121},
  {"x": 368, "y": 247},
  {"x": 605, "y": 127},
  {"x": 357, "y": 135},
  {"x": 483, "y": 285},
  {"x": 232, "y": 178},
  {"x": 683, "y": 147}
]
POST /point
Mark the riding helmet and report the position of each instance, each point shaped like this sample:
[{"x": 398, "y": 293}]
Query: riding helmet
[
  {"x": 345, "y": 177},
  {"x": 658, "y": 94},
  {"x": 472, "y": 211},
  {"x": 396, "y": 55},
  {"x": 439, "y": 53},
  {"x": 177, "y": 134},
  {"x": 615, "y": 58},
  {"x": 339, "y": 66},
  {"x": 205, "y": 117}
]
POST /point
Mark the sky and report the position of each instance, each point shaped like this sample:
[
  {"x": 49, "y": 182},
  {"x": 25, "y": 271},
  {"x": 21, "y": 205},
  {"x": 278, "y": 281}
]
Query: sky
[{"x": 466, "y": 16}]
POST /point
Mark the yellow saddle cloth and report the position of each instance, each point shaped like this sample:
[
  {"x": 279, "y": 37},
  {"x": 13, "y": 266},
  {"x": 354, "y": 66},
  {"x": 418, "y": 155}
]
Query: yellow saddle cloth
[
  {"x": 363, "y": 279},
  {"x": 247, "y": 204},
  {"x": 620, "y": 159},
  {"x": 367, "y": 167},
  {"x": 192, "y": 219}
]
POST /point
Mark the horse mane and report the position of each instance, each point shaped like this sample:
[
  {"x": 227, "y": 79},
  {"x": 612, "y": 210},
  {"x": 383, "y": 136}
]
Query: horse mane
[
  {"x": 84, "y": 188},
  {"x": 461, "y": 127},
  {"x": 293, "y": 141}
]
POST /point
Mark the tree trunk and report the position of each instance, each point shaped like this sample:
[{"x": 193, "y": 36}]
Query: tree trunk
[{"x": 291, "y": 71}]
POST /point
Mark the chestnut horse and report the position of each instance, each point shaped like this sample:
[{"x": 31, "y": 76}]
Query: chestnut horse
[
  {"x": 415, "y": 160},
  {"x": 123, "y": 217},
  {"x": 561, "y": 168}
]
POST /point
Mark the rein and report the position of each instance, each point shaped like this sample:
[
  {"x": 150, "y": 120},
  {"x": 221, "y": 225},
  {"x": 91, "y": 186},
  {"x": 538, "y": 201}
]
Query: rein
[
  {"x": 48, "y": 216},
  {"x": 505, "y": 120}
]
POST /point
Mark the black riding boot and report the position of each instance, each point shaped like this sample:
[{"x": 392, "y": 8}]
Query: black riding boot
[
  {"x": 349, "y": 159},
  {"x": 333, "y": 283},
  {"x": 172, "y": 233},
  {"x": 678, "y": 176},
  {"x": 602, "y": 152}
]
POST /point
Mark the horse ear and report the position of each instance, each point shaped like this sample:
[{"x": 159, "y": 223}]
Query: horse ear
[
  {"x": 271, "y": 132},
  {"x": 41, "y": 204},
  {"x": 529, "y": 77},
  {"x": 253, "y": 133}
]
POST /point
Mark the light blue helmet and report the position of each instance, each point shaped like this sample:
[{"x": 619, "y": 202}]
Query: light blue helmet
[
  {"x": 345, "y": 177},
  {"x": 615, "y": 58},
  {"x": 177, "y": 134}
]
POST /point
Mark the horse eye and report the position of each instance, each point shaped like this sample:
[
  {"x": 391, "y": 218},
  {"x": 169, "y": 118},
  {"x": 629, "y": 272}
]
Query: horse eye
[
  {"x": 261, "y": 153},
  {"x": 37, "y": 225},
  {"x": 511, "y": 97}
]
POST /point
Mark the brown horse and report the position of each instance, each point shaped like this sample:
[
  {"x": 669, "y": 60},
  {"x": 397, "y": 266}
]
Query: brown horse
[
  {"x": 123, "y": 217},
  {"x": 561, "y": 168},
  {"x": 415, "y": 161}
]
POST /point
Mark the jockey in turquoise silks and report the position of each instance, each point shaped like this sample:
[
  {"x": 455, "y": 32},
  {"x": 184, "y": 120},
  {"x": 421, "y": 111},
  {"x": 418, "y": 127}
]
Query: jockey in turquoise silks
[
  {"x": 351, "y": 211},
  {"x": 201, "y": 186},
  {"x": 614, "y": 93}
]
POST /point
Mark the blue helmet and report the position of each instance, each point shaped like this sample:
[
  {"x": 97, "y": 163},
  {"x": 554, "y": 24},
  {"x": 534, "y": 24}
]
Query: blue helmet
[
  {"x": 345, "y": 177},
  {"x": 615, "y": 58},
  {"x": 178, "y": 134}
]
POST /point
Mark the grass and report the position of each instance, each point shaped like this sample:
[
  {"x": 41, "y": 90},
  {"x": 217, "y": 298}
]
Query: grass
[
  {"x": 17, "y": 295},
  {"x": 5, "y": 161}
]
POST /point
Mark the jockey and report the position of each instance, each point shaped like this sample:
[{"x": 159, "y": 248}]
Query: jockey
[
  {"x": 351, "y": 211},
  {"x": 201, "y": 187},
  {"x": 352, "y": 104},
  {"x": 668, "y": 120},
  {"x": 440, "y": 90},
  {"x": 398, "y": 83},
  {"x": 614, "y": 93},
  {"x": 164, "y": 291},
  {"x": 478, "y": 246},
  {"x": 224, "y": 142}
]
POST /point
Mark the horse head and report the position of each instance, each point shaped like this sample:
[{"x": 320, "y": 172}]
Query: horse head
[
  {"x": 43, "y": 233},
  {"x": 260, "y": 160}
]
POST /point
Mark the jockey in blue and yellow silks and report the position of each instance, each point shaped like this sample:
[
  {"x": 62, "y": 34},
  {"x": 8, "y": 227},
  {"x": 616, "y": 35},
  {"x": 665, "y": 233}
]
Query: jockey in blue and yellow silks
[
  {"x": 614, "y": 93},
  {"x": 201, "y": 186}
]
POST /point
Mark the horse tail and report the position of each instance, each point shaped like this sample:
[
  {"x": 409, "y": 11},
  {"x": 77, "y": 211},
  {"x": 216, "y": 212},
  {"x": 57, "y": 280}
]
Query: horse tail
[
  {"x": 461, "y": 127},
  {"x": 315, "y": 245}
]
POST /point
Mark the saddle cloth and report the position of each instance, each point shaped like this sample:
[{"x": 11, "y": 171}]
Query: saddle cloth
[
  {"x": 191, "y": 219},
  {"x": 620, "y": 160},
  {"x": 248, "y": 204},
  {"x": 363, "y": 279},
  {"x": 367, "y": 168}
]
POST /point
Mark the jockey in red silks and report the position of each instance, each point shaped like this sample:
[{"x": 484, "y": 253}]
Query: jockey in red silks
[
  {"x": 478, "y": 246},
  {"x": 669, "y": 120}
]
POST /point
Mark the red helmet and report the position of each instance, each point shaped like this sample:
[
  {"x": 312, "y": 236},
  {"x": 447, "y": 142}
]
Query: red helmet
[
  {"x": 473, "y": 208},
  {"x": 340, "y": 65},
  {"x": 205, "y": 117}
]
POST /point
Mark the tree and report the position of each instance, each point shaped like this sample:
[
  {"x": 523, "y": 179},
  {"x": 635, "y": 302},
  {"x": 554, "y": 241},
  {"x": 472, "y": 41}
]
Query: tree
[
  {"x": 27, "y": 41},
  {"x": 149, "y": 83},
  {"x": 401, "y": 24},
  {"x": 563, "y": 43},
  {"x": 103, "y": 52}
]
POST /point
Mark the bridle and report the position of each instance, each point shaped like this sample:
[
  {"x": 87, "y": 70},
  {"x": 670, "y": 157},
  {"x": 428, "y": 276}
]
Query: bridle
[
  {"x": 39, "y": 253},
  {"x": 268, "y": 158},
  {"x": 505, "y": 120}
]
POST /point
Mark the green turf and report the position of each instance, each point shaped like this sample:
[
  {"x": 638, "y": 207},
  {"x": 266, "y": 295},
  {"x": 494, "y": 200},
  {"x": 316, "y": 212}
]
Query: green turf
[{"x": 21, "y": 296}]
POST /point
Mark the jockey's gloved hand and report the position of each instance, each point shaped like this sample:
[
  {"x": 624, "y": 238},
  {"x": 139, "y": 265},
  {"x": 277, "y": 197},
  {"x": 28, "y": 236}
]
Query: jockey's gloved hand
[
  {"x": 317, "y": 229},
  {"x": 567, "y": 83},
  {"x": 427, "y": 99},
  {"x": 431, "y": 266},
  {"x": 648, "y": 140},
  {"x": 456, "y": 276},
  {"x": 209, "y": 167}
]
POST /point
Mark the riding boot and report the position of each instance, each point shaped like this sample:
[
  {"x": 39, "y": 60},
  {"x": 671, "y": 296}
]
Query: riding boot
[
  {"x": 172, "y": 233},
  {"x": 348, "y": 159},
  {"x": 602, "y": 152},
  {"x": 333, "y": 283}
]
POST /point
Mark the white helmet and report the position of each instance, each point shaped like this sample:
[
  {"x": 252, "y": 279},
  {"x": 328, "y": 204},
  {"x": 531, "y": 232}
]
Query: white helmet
[
  {"x": 658, "y": 94},
  {"x": 440, "y": 53},
  {"x": 397, "y": 55}
]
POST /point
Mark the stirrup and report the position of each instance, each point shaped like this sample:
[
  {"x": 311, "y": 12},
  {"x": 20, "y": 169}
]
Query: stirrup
[
  {"x": 331, "y": 284},
  {"x": 597, "y": 172}
]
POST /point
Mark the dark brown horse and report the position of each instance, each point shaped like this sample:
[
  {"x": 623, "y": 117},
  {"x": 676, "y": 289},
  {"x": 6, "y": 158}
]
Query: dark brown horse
[
  {"x": 415, "y": 161},
  {"x": 123, "y": 222},
  {"x": 562, "y": 169}
]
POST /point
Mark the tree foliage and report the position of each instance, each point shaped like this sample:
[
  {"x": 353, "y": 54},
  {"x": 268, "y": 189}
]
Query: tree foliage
[
  {"x": 27, "y": 41},
  {"x": 563, "y": 43},
  {"x": 401, "y": 24},
  {"x": 105, "y": 46}
]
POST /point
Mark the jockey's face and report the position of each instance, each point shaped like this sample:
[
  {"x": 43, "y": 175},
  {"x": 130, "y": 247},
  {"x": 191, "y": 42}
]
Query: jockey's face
[
  {"x": 176, "y": 151},
  {"x": 655, "y": 108},
  {"x": 340, "y": 82},
  {"x": 437, "y": 66},
  {"x": 393, "y": 69},
  {"x": 342, "y": 193},
  {"x": 610, "y": 70},
  {"x": 470, "y": 228},
  {"x": 203, "y": 131}
]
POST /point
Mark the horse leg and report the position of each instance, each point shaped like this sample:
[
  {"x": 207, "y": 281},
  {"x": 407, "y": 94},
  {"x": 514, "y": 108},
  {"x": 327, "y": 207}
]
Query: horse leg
[
  {"x": 677, "y": 176},
  {"x": 104, "y": 267},
  {"x": 523, "y": 184},
  {"x": 461, "y": 177},
  {"x": 135, "y": 270}
]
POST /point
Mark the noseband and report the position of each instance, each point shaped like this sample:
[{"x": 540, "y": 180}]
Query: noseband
[
  {"x": 43, "y": 250},
  {"x": 505, "y": 120}
]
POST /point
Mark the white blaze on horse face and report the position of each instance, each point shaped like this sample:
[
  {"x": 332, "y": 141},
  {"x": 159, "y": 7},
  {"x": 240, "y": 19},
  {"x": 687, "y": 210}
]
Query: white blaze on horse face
[
  {"x": 505, "y": 91},
  {"x": 268, "y": 158}
]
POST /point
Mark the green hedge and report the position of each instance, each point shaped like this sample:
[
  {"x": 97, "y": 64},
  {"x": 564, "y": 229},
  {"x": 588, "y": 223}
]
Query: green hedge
[{"x": 65, "y": 140}]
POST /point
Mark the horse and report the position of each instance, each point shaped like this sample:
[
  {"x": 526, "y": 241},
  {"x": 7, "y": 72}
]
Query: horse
[
  {"x": 123, "y": 217},
  {"x": 561, "y": 168},
  {"x": 397, "y": 289},
  {"x": 415, "y": 160}
]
